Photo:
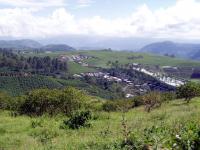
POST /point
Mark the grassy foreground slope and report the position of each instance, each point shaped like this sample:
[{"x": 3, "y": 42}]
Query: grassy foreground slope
[{"x": 23, "y": 132}]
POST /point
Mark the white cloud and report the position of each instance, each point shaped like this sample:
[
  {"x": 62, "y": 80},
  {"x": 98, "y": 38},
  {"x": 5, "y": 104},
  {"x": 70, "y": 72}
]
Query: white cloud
[
  {"x": 179, "y": 21},
  {"x": 33, "y": 3},
  {"x": 84, "y": 3}
]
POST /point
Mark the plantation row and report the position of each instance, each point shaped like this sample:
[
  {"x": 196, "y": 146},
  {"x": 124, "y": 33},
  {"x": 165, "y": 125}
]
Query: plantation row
[{"x": 20, "y": 85}]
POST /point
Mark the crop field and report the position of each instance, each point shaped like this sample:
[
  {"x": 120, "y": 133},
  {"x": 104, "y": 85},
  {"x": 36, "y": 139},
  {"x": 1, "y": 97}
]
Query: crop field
[
  {"x": 102, "y": 57},
  {"x": 75, "y": 68},
  {"x": 20, "y": 85}
]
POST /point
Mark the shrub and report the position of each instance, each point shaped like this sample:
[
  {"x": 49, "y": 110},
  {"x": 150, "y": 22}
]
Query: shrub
[
  {"x": 168, "y": 96},
  {"x": 53, "y": 102},
  {"x": 138, "y": 101},
  {"x": 5, "y": 101},
  {"x": 118, "y": 105},
  {"x": 79, "y": 119},
  {"x": 188, "y": 91},
  {"x": 152, "y": 100},
  {"x": 9, "y": 103}
]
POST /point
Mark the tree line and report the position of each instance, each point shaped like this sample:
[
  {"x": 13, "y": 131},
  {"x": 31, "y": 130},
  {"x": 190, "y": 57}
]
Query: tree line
[{"x": 39, "y": 65}]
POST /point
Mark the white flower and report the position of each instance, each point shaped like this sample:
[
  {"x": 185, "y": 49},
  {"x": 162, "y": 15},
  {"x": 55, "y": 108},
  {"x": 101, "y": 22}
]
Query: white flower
[
  {"x": 178, "y": 136},
  {"x": 174, "y": 145}
]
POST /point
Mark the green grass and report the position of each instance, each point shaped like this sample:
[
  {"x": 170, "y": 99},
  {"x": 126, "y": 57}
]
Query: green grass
[
  {"x": 196, "y": 80},
  {"x": 75, "y": 68},
  {"x": 18, "y": 132},
  {"x": 104, "y": 56}
]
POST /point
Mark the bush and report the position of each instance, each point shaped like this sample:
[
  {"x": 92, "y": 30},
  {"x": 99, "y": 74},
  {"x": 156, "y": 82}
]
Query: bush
[
  {"x": 5, "y": 101},
  {"x": 152, "y": 100},
  {"x": 168, "y": 96},
  {"x": 188, "y": 91},
  {"x": 79, "y": 119},
  {"x": 138, "y": 101},
  {"x": 39, "y": 102},
  {"x": 118, "y": 105}
]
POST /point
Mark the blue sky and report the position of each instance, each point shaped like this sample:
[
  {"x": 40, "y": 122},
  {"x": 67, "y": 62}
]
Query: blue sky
[
  {"x": 115, "y": 8},
  {"x": 111, "y": 18},
  {"x": 88, "y": 8}
]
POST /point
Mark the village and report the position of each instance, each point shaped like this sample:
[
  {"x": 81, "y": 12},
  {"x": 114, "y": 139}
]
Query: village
[{"x": 130, "y": 87}]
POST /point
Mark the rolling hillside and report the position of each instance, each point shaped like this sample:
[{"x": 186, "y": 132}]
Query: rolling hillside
[
  {"x": 102, "y": 57},
  {"x": 183, "y": 50},
  {"x": 57, "y": 47},
  {"x": 20, "y": 44}
]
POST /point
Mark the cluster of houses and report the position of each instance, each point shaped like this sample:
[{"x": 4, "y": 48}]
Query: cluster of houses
[
  {"x": 131, "y": 87},
  {"x": 76, "y": 58},
  {"x": 106, "y": 76},
  {"x": 160, "y": 76},
  {"x": 127, "y": 83}
]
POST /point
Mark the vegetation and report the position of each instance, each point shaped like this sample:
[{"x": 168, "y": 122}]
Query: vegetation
[
  {"x": 156, "y": 130},
  {"x": 101, "y": 58},
  {"x": 151, "y": 100},
  {"x": 78, "y": 120},
  {"x": 39, "y": 102},
  {"x": 19, "y": 85},
  {"x": 40, "y": 65},
  {"x": 74, "y": 68},
  {"x": 189, "y": 91},
  {"x": 49, "y": 114},
  {"x": 118, "y": 105}
]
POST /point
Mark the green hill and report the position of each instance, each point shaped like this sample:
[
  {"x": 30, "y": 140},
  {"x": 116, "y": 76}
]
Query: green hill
[{"x": 102, "y": 57}]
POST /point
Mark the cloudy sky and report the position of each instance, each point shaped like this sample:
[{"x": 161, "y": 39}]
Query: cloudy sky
[{"x": 110, "y": 18}]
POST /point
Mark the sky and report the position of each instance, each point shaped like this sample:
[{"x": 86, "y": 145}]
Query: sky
[{"x": 106, "y": 18}]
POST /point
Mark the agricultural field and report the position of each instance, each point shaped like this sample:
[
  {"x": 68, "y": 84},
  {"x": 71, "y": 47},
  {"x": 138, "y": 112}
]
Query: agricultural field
[
  {"x": 20, "y": 85},
  {"x": 75, "y": 68},
  {"x": 159, "y": 129},
  {"x": 102, "y": 57}
]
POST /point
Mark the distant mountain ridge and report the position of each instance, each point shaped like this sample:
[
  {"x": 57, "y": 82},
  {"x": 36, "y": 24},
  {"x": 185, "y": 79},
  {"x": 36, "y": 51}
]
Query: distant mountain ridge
[
  {"x": 184, "y": 50},
  {"x": 57, "y": 47},
  {"x": 27, "y": 44},
  {"x": 19, "y": 44}
]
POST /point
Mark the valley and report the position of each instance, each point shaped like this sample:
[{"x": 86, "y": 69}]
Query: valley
[{"x": 64, "y": 99}]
